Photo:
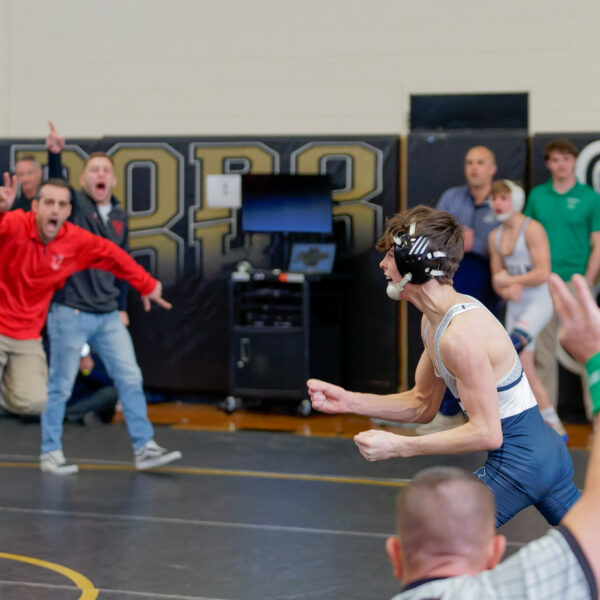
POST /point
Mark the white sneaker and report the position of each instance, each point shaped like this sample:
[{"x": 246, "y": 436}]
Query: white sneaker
[
  {"x": 441, "y": 422},
  {"x": 54, "y": 462},
  {"x": 152, "y": 455}
]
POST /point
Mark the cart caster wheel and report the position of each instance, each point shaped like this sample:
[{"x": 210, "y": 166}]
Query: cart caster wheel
[
  {"x": 231, "y": 404},
  {"x": 304, "y": 408}
]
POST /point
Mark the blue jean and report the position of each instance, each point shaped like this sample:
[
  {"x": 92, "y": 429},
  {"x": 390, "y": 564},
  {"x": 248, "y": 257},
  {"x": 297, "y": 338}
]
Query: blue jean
[{"x": 68, "y": 329}]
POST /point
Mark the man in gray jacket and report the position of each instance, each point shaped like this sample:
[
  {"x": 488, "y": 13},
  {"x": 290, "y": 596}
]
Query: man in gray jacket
[{"x": 91, "y": 308}]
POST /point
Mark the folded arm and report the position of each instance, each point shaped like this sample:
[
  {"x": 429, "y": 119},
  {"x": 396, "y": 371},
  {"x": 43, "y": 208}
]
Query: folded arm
[{"x": 539, "y": 250}]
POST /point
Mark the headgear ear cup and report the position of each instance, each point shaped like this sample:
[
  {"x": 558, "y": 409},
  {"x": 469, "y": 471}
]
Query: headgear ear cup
[
  {"x": 414, "y": 261},
  {"x": 517, "y": 194}
]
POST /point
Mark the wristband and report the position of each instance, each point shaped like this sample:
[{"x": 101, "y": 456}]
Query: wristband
[{"x": 592, "y": 366}]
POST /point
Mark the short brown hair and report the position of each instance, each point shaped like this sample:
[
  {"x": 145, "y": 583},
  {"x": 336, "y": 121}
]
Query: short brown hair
[
  {"x": 28, "y": 158},
  {"x": 561, "y": 145},
  {"x": 98, "y": 155},
  {"x": 56, "y": 182},
  {"x": 499, "y": 187},
  {"x": 442, "y": 230}
]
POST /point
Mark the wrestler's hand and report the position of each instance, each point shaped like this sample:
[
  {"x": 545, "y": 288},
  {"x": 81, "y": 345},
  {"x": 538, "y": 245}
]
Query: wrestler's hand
[
  {"x": 501, "y": 278},
  {"x": 156, "y": 297},
  {"x": 326, "y": 397},
  {"x": 515, "y": 292},
  {"x": 376, "y": 444}
]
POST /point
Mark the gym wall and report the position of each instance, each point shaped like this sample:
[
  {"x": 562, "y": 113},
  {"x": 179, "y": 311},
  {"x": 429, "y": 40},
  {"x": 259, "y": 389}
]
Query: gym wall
[
  {"x": 192, "y": 249},
  {"x": 272, "y": 67}
]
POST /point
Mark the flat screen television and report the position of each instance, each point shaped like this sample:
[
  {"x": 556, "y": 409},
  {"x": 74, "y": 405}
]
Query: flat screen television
[{"x": 286, "y": 204}]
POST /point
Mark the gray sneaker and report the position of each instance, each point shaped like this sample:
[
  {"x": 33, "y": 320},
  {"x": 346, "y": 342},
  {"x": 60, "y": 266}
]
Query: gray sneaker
[
  {"x": 152, "y": 455},
  {"x": 54, "y": 462}
]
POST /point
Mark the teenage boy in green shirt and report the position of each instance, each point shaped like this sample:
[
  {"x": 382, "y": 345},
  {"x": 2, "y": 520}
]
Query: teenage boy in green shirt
[{"x": 570, "y": 214}]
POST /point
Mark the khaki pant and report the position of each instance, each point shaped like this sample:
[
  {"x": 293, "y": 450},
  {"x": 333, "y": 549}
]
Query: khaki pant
[
  {"x": 23, "y": 376},
  {"x": 546, "y": 363}
]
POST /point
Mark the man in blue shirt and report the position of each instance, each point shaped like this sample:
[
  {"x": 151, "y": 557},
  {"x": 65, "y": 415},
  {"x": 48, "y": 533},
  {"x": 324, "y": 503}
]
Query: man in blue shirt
[{"x": 469, "y": 204}]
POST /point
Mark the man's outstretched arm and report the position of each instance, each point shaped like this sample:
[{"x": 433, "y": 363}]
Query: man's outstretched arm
[
  {"x": 580, "y": 334},
  {"x": 100, "y": 253}
]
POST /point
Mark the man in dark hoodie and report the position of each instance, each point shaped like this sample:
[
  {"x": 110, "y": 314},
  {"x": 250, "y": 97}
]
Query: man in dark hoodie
[{"x": 91, "y": 307}]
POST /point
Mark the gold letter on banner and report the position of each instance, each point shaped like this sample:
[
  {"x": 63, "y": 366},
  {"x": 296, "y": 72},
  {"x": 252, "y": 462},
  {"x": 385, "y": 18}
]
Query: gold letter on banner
[
  {"x": 72, "y": 158},
  {"x": 211, "y": 226},
  {"x": 364, "y": 181},
  {"x": 150, "y": 229}
]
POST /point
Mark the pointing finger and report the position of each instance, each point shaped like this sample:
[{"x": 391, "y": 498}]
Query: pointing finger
[{"x": 163, "y": 303}]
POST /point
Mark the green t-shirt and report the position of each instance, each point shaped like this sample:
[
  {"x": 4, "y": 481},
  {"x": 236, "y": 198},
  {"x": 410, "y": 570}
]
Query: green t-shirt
[{"x": 568, "y": 219}]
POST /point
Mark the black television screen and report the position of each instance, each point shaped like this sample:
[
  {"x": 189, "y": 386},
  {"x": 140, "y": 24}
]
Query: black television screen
[{"x": 286, "y": 204}]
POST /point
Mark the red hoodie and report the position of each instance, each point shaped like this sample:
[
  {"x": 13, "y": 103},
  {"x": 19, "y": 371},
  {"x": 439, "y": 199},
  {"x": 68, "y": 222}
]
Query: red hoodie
[{"x": 30, "y": 271}]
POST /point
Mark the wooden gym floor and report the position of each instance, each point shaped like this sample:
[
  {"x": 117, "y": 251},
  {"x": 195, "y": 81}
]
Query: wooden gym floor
[
  {"x": 209, "y": 417},
  {"x": 261, "y": 507}
]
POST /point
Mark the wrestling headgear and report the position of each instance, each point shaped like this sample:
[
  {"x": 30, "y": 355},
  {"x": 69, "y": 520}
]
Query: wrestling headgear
[
  {"x": 414, "y": 261},
  {"x": 518, "y": 200}
]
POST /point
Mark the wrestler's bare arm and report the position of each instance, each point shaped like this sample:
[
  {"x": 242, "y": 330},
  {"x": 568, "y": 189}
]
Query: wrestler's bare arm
[
  {"x": 465, "y": 355},
  {"x": 417, "y": 405}
]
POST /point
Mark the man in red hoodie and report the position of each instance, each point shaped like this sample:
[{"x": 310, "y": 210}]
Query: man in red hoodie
[{"x": 39, "y": 250}]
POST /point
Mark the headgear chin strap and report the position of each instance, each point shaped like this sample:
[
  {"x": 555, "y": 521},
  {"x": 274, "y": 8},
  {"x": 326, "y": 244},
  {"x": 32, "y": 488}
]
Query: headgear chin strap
[{"x": 414, "y": 261}]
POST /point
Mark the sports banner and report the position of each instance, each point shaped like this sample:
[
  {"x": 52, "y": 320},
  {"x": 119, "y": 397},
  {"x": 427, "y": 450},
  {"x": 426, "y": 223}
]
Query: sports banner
[{"x": 192, "y": 248}]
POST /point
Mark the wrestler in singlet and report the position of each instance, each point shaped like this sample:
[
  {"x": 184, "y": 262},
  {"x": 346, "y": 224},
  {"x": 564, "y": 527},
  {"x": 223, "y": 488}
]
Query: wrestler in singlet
[
  {"x": 533, "y": 465},
  {"x": 527, "y": 317}
]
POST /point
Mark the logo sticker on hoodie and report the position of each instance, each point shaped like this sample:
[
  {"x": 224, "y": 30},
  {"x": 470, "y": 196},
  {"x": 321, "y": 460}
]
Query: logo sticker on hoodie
[
  {"x": 117, "y": 226},
  {"x": 56, "y": 261}
]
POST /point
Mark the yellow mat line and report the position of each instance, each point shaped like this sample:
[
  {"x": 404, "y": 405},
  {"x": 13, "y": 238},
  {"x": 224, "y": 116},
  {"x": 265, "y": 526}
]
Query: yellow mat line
[
  {"x": 88, "y": 591},
  {"x": 228, "y": 473}
]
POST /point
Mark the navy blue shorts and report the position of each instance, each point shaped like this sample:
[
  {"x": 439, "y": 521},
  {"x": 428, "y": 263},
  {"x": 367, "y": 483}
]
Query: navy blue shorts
[{"x": 532, "y": 467}]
